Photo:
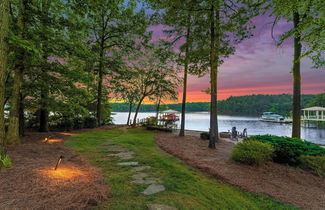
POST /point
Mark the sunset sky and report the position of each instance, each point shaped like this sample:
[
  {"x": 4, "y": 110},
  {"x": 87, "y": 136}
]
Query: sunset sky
[{"x": 257, "y": 67}]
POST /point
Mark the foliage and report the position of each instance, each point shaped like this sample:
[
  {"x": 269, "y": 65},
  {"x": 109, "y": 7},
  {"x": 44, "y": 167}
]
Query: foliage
[
  {"x": 314, "y": 163},
  {"x": 257, "y": 104},
  {"x": 159, "y": 128},
  {"x": 310, "y": 27},
  {"x": 205, "y": 135},
  {"x": 6, "y": 161},
  {"x": 252, "y": 152},
  {"x": 288, "y": 150},
  {"x": 116, "y": 29},
  {"x": 251, "y": 105},
  {"x": 150, "y": 74},
  {"x": 60, "y": 123},
  {"x": 187, "y": 187},
  {"x": 318, "y": 100},
  {"x": 150, "y": 121},
  {"x": 90, "y": 122},
  {"x": 65, "y": 50}
]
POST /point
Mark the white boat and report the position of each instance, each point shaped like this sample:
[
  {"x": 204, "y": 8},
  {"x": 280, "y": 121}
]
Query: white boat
[{"x": 273, "y": 117}]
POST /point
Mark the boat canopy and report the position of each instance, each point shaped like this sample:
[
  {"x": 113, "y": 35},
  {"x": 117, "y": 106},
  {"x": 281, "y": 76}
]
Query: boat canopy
[
  {"x": 314, "y": 108},
  {"x": 170, "y": 111}
]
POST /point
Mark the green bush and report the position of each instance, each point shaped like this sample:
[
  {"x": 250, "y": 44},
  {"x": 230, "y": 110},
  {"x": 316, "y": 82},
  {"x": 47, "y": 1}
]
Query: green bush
[
  {"x": 78, "y": 123},
  {"x": 316, "y": 164},
  {"x": 252, "y": 152},
  {"x": 65, "y": 123},
  {"x": 159, "y": 128},
  {"x": 150, "y": 121},
  {"x": 205, "y": 135},
  {"x": 288, "y": 150},
  {"x": 6, "y": 161},
  {"x": 90, "y": 122}
]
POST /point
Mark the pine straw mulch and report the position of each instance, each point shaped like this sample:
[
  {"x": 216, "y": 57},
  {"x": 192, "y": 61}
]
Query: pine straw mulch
[
  {"x": 287, "y": 184},
  {"x": 32, "y": 183}
]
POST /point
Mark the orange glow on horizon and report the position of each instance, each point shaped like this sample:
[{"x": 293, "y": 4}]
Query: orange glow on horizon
[{"x": 200, "y": 96}]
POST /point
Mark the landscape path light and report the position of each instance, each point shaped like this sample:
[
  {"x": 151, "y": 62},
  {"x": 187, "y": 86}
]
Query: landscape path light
[{"x": 58, "y": 162}]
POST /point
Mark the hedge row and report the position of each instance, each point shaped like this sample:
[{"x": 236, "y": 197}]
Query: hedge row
[
  {"x": 289, "y": 150},
  {"x": 159, "y": 128}
]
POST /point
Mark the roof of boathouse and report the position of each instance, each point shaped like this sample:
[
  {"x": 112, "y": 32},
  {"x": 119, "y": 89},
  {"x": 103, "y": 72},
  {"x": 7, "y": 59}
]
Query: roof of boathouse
[
  {"x": 314, "y": 108},
  {"x": 170, "y": 111}
]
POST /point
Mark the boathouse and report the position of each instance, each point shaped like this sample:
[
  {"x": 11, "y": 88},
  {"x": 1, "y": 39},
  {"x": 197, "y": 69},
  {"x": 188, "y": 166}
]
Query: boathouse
[
  {"x": 314, "y": 114},
  {"x": 169, "y": 115}
]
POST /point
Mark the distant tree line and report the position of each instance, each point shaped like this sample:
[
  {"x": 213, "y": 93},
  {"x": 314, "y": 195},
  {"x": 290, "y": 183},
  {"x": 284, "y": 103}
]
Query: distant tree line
[
  {"x": 251, "y": 105},
  {"x": 318, "y": 100}
]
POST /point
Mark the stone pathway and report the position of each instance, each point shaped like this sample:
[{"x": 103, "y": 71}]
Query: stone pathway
[
  {"x": 140, "y": 177},
  {"x": 124, "y": 155},
  {"x": 128, "y": 164},
  {"x": 140, "y": 168},
  {"x": 153, "y": 189}
]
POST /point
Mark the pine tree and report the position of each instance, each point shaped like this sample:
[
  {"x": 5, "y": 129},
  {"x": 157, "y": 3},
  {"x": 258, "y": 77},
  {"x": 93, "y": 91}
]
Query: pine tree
[{"x": 308, "y": 23}]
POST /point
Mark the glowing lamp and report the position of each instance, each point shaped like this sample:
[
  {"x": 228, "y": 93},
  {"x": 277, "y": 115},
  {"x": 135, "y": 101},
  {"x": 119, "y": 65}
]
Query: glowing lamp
[{"x": 58, "y": 162}]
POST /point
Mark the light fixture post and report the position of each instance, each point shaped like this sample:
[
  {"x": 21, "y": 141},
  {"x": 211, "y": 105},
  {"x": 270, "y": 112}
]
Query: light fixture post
[{"x": 58, "y": 162}]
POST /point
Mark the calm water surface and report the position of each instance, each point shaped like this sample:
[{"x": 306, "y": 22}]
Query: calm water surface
[{"x": 200, "y": 121}]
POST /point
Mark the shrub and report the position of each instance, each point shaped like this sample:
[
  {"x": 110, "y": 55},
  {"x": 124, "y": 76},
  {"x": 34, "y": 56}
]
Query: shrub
[
  {"x": 65, "y": 123},
  {"x": 6, "y": 161},
  {"x": 90, "y": 122},
  {"x": 150, "y": 121},
  {"x": 58, "y": 122},
  {"x": 252, "y": 152},
  {"x": 78, "y": 123},
  {"x": 316, "y": 164},
  {"x": 159, "y": 128},
  {"x": 288, "y": 150},
  {"x": 205, "y": 135}
]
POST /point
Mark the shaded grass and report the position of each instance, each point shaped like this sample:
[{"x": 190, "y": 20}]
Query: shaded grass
[{"x": 187, "y": 188}]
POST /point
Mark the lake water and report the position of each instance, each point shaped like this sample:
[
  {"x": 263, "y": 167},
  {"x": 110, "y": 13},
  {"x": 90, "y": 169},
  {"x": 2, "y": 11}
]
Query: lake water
[{"x": 200, "y": 121}]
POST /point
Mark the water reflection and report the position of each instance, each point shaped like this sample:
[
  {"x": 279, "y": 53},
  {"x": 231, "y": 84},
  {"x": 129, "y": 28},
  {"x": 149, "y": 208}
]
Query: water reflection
[{"x": 200, "y": 121}]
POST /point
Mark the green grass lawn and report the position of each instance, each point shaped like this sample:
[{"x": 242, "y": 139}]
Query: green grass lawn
[{"x": 187, "y": 188}]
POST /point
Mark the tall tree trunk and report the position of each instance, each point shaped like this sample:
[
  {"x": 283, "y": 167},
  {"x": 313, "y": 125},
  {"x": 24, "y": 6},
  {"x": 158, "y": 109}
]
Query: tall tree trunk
[
  {"x": 157, "y": 109},
  {"x": 137, "y": 111},
  {"x": 21, "y": 116},
  {"x": 129, "y": 115},
  {"x": 44, "y": 114},
  {"x": 182, "y": 131},
  {"x": 100, "y": 85},
  {"x": 214, "y": 18},
  {"x": 13, "y": 129},
  {"x": 4, "y": 29},
  {"x": 296, "y": 106},
  {"x": 13, "y": 136}
]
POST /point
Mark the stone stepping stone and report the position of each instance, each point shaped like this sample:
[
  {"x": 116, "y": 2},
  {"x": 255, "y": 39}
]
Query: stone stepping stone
[
  {"x": 160, "y": 207},
  {"x": 140, "y": 176},
  {"x": 128, "y": 164},
  {"x": 140, "y": 168},
  {"x": 123, "y": 155},
  {"x": 147, "y": 181},
  {"x": 153, "y": 189},
  {"x": 115, "y": 148}
]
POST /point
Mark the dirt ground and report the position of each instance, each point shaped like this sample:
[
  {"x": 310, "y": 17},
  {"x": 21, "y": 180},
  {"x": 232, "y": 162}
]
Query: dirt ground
[
  {"x": 32, "y": 182},
  {"x": 287, "y": 184}
]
